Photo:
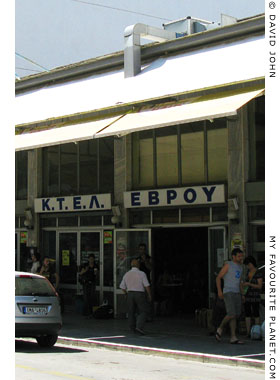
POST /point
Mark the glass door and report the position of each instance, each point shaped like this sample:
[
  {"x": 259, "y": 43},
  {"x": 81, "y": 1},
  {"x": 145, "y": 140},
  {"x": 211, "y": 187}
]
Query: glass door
[
  {"x": 67, "y": 259},
  {"x": 90, "y": 245},
  {"x": 126, "y": 243},
  {"x": 217, "y": 255}
]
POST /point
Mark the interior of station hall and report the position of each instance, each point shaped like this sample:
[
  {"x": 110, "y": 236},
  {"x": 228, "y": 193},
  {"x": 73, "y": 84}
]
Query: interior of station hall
[{"x": 189, "y": 190}]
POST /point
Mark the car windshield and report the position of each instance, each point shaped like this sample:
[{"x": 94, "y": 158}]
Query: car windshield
[{"x": 32, "y": 286}]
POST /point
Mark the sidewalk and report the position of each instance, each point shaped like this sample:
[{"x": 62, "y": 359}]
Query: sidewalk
[{"x": 176, "y": 337}]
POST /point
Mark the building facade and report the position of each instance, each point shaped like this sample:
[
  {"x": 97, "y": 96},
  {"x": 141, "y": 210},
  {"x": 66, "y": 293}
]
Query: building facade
[{"x": 172, "y": 161}]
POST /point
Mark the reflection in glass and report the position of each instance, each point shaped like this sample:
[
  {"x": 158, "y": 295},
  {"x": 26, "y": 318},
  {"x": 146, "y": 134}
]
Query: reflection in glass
[
  {"x": 217, "y": 154},
  {"x": 50, "y": 168},
  {"x": 143, "y": 158},
  {"x": 68, "y": 172},
  {"x": 167, "y": 156},
  {"x": 90, "y": 244},
  {"x": 68, "y": 258},
  {"x": 88, "y": 166},
  {"x": 192, "y": 155},
  {"x": 106, "y": 165},
  {"x": 21, "y": 175}
]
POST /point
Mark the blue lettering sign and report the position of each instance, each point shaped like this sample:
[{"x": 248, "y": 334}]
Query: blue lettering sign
[
  {"x": 192, "y": 194},
  {"x": 77, "y": 203},
  {"x": 93, "y": 201},
  {"x": 45, "y": 204},
  {"x": 153, "y": 198},
  {"x": 209, "y": 193},
  {"x": 135, "y": 199},
  {"x": 60, "y": 201},
  {"x": 171, "y": 195}
]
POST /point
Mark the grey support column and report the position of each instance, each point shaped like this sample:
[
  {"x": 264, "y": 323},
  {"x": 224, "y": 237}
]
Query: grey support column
[{"x": 34, "y": 190}]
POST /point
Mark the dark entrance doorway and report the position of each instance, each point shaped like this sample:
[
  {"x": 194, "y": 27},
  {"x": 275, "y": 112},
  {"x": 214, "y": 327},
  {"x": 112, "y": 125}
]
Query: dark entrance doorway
[{"x": 180, "y": 257}]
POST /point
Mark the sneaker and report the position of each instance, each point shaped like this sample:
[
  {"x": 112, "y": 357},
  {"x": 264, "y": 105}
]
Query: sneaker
[{"x": 139, "y": 331}]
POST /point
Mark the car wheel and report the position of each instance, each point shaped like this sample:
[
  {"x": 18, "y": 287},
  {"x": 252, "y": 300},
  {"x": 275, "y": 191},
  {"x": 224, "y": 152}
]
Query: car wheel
[{"x": 46, "y": 340}]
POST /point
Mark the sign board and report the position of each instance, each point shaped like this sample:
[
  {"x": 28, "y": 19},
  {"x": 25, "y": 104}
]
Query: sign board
[
  {"x": 93, "y": 202},
  {"x": 183, "y": 196}
]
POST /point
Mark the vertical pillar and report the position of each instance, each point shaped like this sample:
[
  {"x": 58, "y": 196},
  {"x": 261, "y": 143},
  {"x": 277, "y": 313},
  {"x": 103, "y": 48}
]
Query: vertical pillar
[
  {"x": 236, "y": 176},
  {"x": 33, "y": 191}
]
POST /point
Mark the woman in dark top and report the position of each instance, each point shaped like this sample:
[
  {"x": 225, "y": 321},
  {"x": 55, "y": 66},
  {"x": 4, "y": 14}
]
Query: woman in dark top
[{"x": 252, "y": 289}]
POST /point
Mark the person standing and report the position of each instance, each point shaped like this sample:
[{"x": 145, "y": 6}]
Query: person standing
[
  {"x": 251, "y": 290},
  {"x": 35, "y": 262},
  {"x": 231, "y": 293},
  {"x": 135, "y": 283},
  {"x": 88, "y": 275},
  {"x": 47, "y": 270}
]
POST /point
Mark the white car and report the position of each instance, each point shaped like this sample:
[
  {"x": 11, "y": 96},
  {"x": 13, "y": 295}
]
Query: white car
[{"x": 37, "y": 309}]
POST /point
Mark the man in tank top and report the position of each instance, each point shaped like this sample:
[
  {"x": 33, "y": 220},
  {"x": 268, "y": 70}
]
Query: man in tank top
[{"x": 231, "y": 294}]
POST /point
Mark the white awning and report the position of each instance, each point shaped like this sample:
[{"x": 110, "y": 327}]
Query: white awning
[
  {"x": 211, "y": 66},
  {"x": 62, "y": 135},
  {"x": 201, "y": 109}
]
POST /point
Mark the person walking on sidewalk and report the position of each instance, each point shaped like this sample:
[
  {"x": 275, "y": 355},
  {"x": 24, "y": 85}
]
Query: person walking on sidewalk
[
  {"x": 231, "y": 273},
  {"x": 135, "y": 284}
]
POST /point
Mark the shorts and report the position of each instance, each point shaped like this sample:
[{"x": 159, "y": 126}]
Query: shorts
[{"x": 233, "y": 304}]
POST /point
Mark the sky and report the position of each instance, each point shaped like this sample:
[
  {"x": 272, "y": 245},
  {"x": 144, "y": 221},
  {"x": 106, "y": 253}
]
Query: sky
[{"x": 55, "y": 33}]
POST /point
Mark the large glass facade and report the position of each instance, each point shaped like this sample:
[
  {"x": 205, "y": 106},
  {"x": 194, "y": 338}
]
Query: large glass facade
[
  {"x": 21, "y": 175},
  {"x": 256, "y": 110},
  {"x": 143, "y": 158},
  {"x": 71, "y": 169},
  {"x": 167, "y": 156},
  {"x": 194, "y": 153},
  {"x": 217, "y": 151},
  {"x": 68, "y": 169}
]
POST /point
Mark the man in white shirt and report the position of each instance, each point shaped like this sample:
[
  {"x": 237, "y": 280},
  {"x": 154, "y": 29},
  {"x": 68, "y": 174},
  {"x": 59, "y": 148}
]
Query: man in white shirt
[{"x": 134, "y": 284}]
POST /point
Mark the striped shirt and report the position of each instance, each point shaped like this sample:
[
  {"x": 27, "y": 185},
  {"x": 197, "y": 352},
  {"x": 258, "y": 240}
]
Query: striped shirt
[{"x": 134, "y": 281}]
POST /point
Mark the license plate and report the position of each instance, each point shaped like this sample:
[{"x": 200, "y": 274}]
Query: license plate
[{"x": 35, "y": 310}]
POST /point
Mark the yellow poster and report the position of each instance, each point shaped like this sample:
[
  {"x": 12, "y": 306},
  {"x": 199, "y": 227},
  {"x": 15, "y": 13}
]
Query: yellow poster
[{"x": 66, "y": 258}]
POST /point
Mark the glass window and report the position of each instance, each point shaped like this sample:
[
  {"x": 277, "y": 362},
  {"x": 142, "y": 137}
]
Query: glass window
[
  {"x": 143, "y": 159},
  {"x": 108, "y": 258},
  {"x": 68, "y": 169},
  {"x": 68, "y": 221},
  {"x": 165, "y": 216},
  {"x": 51, "y": 170},
  {"x": 88, "y": 166},
  {"x": 192, "y": 153},
  {"x": 217, "y": 152},
  {"x": 167, "y": 156},
  {"x": 48, "y": 222},
  {"x": 68, "y": 258},
  {"x": 219, "y": 214},
  {"x": 49, "y": 245},
  {"x": 256, "y": 111},
  {"x": 90, "y": 220},
  {"x": 189, "y": 215},
  {"x": 21, "y": 175},
  {"x": 106, "y": 165},
  {"x": 141, "y": 217}
]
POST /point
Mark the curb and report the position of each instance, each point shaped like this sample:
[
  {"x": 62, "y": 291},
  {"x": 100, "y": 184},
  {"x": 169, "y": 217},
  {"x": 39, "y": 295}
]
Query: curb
[{"x": 192, "y": 356}]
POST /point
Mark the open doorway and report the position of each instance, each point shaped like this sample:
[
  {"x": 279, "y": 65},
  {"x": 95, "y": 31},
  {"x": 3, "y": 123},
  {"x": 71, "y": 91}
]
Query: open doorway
[{"x": 180, "y": 278}]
